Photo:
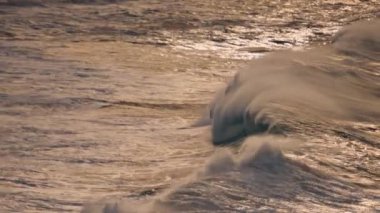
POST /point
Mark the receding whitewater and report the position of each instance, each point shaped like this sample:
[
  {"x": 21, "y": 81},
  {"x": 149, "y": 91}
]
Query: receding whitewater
[{"x": 295, "y": 131}]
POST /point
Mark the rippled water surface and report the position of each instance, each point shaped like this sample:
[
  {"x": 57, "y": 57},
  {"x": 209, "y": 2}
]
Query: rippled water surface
[{"x": 99, "y": 106}]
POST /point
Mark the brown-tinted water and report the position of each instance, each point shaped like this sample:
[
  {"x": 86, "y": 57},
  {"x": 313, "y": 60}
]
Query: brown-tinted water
[{"x": 98, "y": 101}]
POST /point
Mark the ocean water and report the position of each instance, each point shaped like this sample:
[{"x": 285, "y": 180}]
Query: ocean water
[
  {"x": 167, "y": 106},
  {"x": 294, "y": 131}
]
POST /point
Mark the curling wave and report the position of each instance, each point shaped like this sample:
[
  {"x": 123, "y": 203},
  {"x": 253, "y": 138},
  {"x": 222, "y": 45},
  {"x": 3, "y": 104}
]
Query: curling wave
[
  {"x": 338, "y": 81},
  {"x": 304, "y": 97}
]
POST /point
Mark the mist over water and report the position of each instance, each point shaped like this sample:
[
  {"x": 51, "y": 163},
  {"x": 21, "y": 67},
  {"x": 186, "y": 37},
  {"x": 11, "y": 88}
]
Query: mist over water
[{"x": 298, "y": 134}]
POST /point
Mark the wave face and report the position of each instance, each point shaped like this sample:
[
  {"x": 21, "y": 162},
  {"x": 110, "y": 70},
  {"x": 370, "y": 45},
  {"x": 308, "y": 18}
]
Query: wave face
[{"x": 307, "y": 128}]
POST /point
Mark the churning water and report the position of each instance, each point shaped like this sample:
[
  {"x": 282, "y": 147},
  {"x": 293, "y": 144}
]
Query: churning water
[
  {"x": 294, "y": 131},
  {"x": 110, "y": 106}
]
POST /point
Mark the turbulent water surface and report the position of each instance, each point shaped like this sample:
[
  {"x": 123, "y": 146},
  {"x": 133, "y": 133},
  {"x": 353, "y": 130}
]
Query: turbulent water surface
[{"x": 111, "y": 107}]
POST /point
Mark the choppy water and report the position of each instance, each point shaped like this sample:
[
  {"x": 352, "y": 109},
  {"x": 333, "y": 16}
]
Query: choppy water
[
  {"x": 307, "y": 124},
  {"x": 114, "y": 126}
]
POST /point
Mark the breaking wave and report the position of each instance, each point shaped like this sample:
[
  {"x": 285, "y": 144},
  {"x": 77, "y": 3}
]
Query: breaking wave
[
  {"x": 339, "y": 81},
  {"x": 280, "y": 117}
]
